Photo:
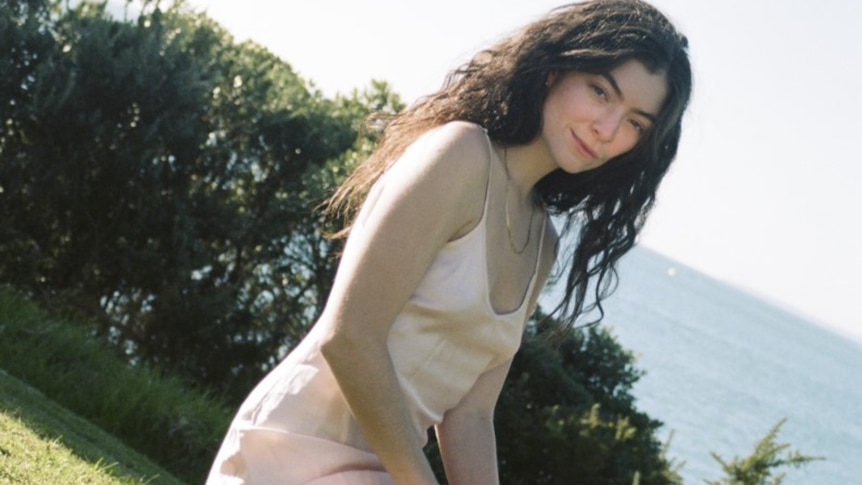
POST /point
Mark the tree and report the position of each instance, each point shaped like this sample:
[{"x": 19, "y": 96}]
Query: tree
[
  {"x": 161, "y": 179},
  {"x": 765, "y": 459}
]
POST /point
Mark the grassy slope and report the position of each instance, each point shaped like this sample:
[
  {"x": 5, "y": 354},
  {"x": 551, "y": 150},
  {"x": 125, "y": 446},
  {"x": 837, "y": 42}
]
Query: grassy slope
[
  {"x": 174, "y": 426},
  {"x": 43, "y": 443}
]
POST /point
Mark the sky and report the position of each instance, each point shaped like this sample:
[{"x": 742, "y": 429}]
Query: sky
[{"x": 767, "y": 186}]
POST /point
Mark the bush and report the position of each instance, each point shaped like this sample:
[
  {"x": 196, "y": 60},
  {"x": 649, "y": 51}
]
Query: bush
[
  {"x": 160, "y": 178},
  {"x": 766, "y": 458},
  {"x": 566, "y": 415}
]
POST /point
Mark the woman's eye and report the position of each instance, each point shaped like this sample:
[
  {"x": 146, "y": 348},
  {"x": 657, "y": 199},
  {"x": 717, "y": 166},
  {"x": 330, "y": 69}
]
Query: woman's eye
[
  {"x": 638, "y": 126},
  {"x": 599, "y": 90}
]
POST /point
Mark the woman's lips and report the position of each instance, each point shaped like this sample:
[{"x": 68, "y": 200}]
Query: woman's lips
[{"x": 583, "y": 147}]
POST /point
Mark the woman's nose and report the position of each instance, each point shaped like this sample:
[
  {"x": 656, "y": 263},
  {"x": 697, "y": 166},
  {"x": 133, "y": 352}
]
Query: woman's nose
[{"x": 607, "y": 125}]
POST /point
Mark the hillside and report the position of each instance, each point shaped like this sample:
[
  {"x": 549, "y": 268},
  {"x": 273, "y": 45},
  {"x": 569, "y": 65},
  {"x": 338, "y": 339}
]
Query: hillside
[
  {"x": 78, "y": 389},
  {"x": 43, "y": 443}
]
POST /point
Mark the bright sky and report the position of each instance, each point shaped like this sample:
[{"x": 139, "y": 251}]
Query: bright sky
[{"x": 765, "y": 191}]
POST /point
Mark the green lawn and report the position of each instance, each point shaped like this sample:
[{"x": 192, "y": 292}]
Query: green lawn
[
  {"x": 43, "y": 443},
  {"x": 71, "y": 390}
]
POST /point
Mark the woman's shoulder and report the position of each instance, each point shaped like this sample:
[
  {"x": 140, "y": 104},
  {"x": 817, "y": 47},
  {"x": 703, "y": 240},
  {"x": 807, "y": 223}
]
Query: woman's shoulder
[
  {"x": 458, "y": 149},
  {"x": 457, "y": 138},
  {"x": 465, "y": 131},
  {"x": 458, "y": 130}
]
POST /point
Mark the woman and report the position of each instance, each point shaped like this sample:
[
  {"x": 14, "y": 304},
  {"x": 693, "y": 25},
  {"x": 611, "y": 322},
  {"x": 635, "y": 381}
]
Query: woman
[{"x": 577, "y": 115}]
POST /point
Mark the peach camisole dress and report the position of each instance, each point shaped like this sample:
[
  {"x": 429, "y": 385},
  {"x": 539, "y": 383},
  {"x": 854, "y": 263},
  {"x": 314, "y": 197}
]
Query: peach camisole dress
[{"x": 295, "y": 426}]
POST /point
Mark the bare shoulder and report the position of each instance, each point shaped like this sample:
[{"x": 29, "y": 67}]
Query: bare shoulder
[
  {"x": 458, "y": 148},
  {"x": 451, "y": 161}
]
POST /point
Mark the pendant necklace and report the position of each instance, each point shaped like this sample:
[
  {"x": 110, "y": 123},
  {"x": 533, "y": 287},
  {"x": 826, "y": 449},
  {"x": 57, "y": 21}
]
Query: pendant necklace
[{"x": 506, "y": 210}]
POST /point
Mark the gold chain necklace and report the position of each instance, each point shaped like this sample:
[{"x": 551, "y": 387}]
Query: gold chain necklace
[{"x": 506, "y": 209}]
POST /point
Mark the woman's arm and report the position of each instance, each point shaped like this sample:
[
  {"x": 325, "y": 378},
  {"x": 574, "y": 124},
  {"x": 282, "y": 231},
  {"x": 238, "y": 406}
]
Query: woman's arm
[
  {"x": 466, "y": 435},
  {"x": 433, "y": 194}
]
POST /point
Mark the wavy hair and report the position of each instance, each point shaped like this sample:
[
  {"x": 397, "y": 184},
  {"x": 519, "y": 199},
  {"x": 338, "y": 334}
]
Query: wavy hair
[{"x": 503, "y": 88}]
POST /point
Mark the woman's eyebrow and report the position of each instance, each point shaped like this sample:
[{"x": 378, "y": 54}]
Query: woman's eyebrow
[{"x": 616, "y": 87}]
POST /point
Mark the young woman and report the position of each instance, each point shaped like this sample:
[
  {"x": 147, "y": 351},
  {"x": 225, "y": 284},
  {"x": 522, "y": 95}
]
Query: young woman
[{"x": 578, "y": 115}]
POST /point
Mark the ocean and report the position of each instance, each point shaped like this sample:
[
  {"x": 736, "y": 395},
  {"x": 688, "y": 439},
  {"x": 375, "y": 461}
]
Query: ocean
[{"x": 723, "y": 366}]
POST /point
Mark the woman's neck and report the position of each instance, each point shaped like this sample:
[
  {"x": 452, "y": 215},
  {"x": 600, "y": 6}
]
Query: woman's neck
[{"x": 526, "y": 165}]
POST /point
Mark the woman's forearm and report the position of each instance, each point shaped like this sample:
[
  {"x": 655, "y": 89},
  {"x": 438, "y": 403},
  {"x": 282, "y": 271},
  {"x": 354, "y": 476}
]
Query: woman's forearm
[
  {"x": 367, "y": 379},
  {"x": 468, "y": 447}
]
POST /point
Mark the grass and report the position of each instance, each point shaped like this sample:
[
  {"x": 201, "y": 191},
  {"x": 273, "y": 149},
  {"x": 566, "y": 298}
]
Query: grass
[
  {"x": 176, "y": 427},
  {"x": 43, "y": 443}
]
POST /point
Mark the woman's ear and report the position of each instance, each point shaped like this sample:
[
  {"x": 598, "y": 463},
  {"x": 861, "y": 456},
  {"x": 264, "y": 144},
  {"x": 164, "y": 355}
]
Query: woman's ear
[{"x": 549, "y": 80}]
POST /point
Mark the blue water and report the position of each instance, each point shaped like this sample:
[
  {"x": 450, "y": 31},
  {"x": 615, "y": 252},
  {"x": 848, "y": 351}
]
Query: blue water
[{"x": 724, "y": 366}]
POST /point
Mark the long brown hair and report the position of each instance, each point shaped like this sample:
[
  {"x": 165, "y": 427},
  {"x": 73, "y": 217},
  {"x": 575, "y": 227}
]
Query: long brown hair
[{"x": 503, "y": 88}]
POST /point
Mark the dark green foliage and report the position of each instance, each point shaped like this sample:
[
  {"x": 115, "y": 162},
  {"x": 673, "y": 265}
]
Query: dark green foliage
[
  {"x": 566, "y": 415},
  {"x": 765, "y": 459},
  {"x": 160, "y": 179}
]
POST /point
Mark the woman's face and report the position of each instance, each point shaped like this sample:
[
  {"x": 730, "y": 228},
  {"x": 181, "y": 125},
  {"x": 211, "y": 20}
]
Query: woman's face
[{"x": 589, "y": 119}]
